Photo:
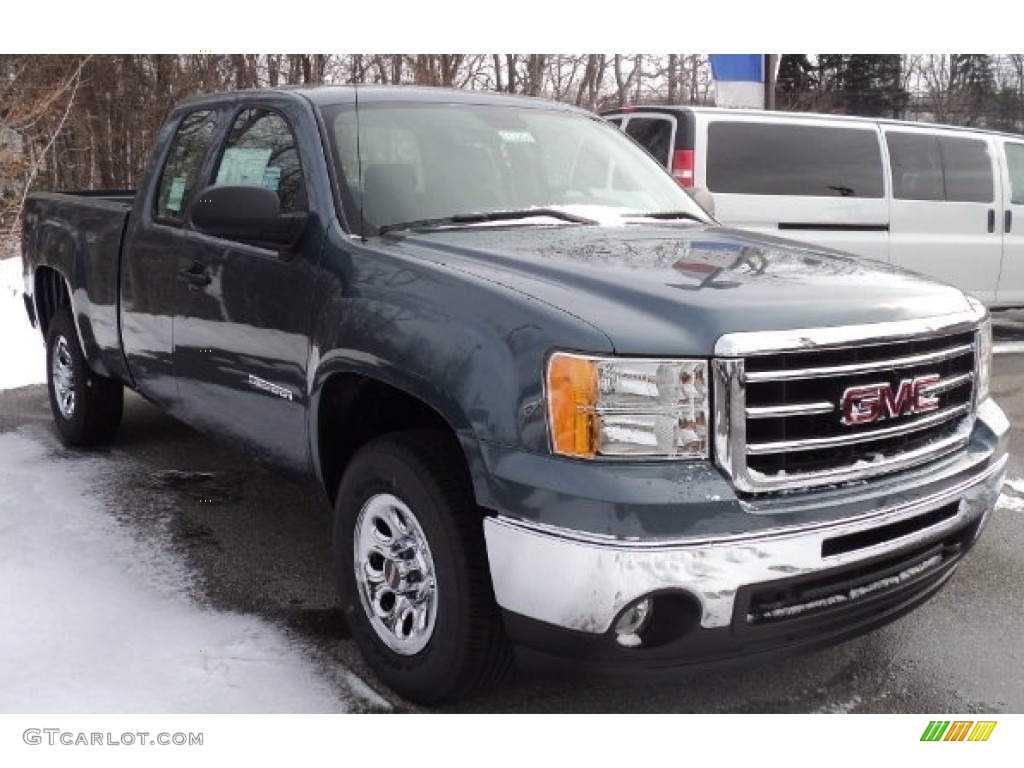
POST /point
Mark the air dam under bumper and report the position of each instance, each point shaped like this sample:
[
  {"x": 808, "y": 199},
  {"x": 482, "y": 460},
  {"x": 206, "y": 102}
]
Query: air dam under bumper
[{"x": 744, "y": 595}]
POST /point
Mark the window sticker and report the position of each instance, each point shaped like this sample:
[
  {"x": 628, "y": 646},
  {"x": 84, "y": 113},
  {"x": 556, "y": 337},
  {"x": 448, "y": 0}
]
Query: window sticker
[
  {"x": 176, "y": 193},
  {"x": 244, "y": 166},
  {"x": 271, "y": 178},
  {"x": 517, "y": 137}
]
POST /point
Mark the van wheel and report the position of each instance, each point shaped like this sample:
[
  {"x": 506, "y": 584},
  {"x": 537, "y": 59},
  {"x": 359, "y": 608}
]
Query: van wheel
[
  {"x": 86, "y": 407},
  {"x": 412, "y": 571}
]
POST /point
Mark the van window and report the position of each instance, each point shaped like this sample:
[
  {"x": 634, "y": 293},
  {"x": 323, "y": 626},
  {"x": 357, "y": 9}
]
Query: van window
[
  {"x": 653, "y": 134},
  {"x": 787, "y": 159},
  {"x": 916, "y": 166},
  {"x": 967, "y": 170},
  {"x": 1015, "y": 164},
  {"x": 945, "y": 168}
]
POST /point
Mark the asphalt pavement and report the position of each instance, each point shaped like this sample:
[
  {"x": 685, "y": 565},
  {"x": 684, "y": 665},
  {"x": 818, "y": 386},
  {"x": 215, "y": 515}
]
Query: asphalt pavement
[{"x": 260, "y": 543}]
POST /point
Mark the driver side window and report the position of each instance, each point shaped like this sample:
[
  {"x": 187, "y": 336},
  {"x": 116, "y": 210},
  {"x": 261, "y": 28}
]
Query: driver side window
[{"x": 261, "y": 151}]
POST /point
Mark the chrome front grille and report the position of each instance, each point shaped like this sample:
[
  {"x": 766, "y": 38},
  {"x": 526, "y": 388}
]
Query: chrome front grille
[{"x": 780, "y": 420}]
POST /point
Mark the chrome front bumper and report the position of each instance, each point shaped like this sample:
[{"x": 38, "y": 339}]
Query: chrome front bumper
[{"x": 582, "y": 582}]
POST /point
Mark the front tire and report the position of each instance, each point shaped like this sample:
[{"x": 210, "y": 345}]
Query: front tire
[
  {"x": 412, "y": 570},
  {"x": 86, "y": 407}
]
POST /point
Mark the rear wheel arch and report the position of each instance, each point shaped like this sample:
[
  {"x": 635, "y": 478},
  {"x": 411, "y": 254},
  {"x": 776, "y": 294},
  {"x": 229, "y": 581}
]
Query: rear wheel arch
[{"x": 50, "y": 292}]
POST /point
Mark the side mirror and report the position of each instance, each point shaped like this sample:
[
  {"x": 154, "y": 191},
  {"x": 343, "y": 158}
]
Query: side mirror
[
  {"x": 704, "y": 199},
  {"x": 246, "y": 214}
]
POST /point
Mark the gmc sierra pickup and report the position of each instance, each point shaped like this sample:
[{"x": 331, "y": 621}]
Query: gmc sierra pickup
[{"x": 555, "y": 407}]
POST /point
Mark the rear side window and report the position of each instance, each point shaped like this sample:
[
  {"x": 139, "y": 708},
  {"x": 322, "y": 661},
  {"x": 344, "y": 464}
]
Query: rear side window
[
  {"x": 785, "y": 159},
  {"x": 184, "y": 160},
  {"x": 967, "y": 170},
  {"x": 653, "y": 134},
  {"x": 1015, "y": 164},
  {"x": 261, "y": 152},
  {"x": 916, "y": 166},
  {"x": 943, "y": 168}
]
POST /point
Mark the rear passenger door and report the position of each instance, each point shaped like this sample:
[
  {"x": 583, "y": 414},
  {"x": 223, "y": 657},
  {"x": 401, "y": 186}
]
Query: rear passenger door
[
  {"x": 943, "y": 216},
  {"x": 152, "y": 292},
  {"x": 1011, "y": 278},
  {"x": 813, "y": 180}
]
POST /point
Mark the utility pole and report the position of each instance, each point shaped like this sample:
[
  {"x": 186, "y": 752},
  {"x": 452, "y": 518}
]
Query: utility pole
[{"x": 769, "y": 81}]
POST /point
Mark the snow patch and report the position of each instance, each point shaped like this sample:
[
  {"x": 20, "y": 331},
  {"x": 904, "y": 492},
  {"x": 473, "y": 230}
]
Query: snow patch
[
  {"x": 24, "y": 358},
  {"x": 95, "y": 619},
  {"x": 1015, "y": 485},
  {"x": 1010, "y": 503}
]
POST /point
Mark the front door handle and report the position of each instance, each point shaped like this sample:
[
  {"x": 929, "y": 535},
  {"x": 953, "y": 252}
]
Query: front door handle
[
  {"x": 991, "y": 220},
  {"x": 196, "y": 275},
  {"x": 1007, "y": 221}
]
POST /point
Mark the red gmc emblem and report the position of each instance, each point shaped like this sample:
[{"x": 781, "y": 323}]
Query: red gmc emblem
[{"x": 878, "y": 402}]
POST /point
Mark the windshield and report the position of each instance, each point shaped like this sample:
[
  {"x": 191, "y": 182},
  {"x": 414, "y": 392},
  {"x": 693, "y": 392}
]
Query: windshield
[{"x": 437, "y": 161}]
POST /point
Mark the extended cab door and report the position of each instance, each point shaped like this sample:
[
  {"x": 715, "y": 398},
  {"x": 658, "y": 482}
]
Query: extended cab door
[
  {"x": 1011, "y": 278},
  {"x": 943, "y": 216},
  {"x": 241, "y": 342},
  {"x": 151, "y": 291}
]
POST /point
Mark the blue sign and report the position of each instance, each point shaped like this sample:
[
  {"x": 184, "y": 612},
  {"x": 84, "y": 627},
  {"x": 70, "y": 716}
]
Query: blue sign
[{"x": 737, "y": 67}]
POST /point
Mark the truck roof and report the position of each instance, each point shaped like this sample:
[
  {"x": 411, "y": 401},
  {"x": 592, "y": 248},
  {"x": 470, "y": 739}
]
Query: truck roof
[{"x": 329, "y": 95}]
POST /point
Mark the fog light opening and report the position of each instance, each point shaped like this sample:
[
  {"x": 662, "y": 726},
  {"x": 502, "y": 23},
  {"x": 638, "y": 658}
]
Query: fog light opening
[{"x": 632, "y": 622}]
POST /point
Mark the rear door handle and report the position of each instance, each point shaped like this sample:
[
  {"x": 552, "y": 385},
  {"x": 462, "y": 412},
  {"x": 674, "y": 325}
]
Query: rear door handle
[
  {"x": 1007, "y": 221},
  {"x": 196, "y": 275},
  {"x": 991, "y": 220}
]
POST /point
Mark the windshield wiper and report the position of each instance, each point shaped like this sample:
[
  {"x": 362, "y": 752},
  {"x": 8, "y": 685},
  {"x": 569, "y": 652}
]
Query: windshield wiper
[
  {"x": 479, "y": 218},
  {"x": 665, "y": 215}
]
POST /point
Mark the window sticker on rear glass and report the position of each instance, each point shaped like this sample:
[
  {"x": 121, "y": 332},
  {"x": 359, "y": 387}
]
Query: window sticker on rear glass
[
  {"x": 175, "y": 193},
  {"x": 517, "y": 137},
  {"x": 242, "y": 165}
]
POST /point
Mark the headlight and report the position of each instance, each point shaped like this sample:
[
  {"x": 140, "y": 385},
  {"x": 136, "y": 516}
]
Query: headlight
[
  {"x": 627, "y": 407},
  {"x": 984, "y": 359}
]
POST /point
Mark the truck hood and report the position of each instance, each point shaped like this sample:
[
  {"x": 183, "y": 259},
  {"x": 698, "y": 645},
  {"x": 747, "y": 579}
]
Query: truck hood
[{"x": 674, "y": 289}]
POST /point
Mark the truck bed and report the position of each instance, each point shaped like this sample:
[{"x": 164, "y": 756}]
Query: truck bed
[{"x": 80, "y": 234}]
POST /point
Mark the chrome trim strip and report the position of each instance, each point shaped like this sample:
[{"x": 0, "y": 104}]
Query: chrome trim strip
[
  {"x": 582, "y": 582},
  {"x": 759, "y": 481},
  {"x": 772, "y": 342},
  {"x": 781, "y": 411},
  {"x": 858, "y": 368},
  {"x": 944, "y": 385},
  {"x": 855, "y": 438}
]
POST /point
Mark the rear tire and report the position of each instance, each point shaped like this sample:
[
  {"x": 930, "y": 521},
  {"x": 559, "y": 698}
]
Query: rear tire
[
  {"x": 412, "y": 570},
  {"x": 86, "y": 407}
]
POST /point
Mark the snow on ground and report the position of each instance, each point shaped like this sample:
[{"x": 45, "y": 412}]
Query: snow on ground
[
  {"x": 95, "y": 618},
  {"x": 21, "y": 345}
]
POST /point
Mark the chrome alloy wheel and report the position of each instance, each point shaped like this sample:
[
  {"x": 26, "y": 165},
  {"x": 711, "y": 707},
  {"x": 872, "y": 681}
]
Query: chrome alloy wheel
[
  {"x": 63, "y": 373},
  {"x": 395, "y": 574}
]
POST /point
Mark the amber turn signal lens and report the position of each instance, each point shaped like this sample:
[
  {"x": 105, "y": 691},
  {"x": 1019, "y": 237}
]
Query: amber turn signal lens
[{"x": 572, "y": 397}]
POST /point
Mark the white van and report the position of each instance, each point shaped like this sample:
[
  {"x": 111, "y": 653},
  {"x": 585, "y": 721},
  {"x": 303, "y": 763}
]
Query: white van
[{"x": 939, "y": 200}]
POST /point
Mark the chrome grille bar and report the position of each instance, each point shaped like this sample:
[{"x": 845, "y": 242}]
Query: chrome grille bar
[
  {"x": 753, "y": 377},
  {"x": 797, "y": 409},
  {"x": 947, "y": 384},
  {"x": 813, "y": 444}
]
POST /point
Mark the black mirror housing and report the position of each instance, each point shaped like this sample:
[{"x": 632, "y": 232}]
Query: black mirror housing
[{"x": 246, "y": 214}]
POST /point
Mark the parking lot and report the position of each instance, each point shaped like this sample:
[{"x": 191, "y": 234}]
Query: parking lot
[{"x": 256, "y": 543}]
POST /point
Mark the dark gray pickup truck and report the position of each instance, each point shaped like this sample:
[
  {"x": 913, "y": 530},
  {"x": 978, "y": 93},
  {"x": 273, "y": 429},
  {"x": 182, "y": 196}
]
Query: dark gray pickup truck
[{"x": 556, "y": 408}]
